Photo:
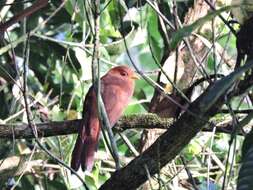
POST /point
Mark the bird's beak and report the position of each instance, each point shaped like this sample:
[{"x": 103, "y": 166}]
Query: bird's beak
[{"x": 135, "y": 76}]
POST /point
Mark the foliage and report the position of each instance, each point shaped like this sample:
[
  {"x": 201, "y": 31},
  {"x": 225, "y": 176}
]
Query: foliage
[{"x": 58, "y": 75}]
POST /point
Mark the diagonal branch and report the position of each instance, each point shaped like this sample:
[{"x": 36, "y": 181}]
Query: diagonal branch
[
  {"x": 171, "y": 143},
  {"x": 167, "y": 145},
  {"x": 39, "y": 4}
]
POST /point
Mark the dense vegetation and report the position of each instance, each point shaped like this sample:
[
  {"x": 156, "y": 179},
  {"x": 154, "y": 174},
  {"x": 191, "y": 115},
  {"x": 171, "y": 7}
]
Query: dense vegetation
[{"x": 192, "y": 80}]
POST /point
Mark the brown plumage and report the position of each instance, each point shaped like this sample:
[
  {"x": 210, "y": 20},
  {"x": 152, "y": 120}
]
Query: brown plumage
[{"x": 117, "y": 88}]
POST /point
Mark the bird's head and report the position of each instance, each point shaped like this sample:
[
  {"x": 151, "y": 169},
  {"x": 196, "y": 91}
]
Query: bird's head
[
  {"x": 123, "y": 72},
  {"x": 122, "y": 76}
]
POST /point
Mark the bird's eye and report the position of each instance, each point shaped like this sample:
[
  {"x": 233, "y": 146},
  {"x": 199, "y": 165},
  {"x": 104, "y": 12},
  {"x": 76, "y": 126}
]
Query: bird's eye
[{"x": 123, "y": 74}]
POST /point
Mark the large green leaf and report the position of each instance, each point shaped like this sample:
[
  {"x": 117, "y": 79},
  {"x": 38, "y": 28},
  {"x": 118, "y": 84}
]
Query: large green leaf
[{"x": 185, "y": 31}]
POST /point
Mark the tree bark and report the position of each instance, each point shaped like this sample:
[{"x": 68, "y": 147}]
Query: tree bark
[
  {"x": 171, "y": 143},
  {"x": 140, "y": 121}
]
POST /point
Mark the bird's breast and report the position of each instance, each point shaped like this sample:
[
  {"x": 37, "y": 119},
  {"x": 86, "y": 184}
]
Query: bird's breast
[{"x": 115, "y": 99}]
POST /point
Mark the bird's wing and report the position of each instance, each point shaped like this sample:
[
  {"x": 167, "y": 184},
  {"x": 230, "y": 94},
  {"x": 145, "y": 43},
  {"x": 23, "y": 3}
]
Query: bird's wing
[
  {"x": 86, "y": 143},
  {"x": 89, "y": 109}
]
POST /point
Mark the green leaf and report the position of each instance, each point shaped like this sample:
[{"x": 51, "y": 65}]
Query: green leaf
[
  {"x": 79, "y": 12},
  {"x": 155, "y": 38},
  {"x": 178, "y": 36}
]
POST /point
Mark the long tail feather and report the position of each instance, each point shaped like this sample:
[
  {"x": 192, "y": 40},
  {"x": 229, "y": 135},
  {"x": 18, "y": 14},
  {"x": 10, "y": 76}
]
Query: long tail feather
[
  {"x": 85, "y": 147},
  {"x": 89, "y": 149},
  {"x": 77, "y": 153}
]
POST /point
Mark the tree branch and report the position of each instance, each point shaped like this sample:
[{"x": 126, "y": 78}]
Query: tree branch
[
  {"x": 39, "y": 4},
  {"x": 140, "y": 121},
  {"x": 172, "y": 142}
]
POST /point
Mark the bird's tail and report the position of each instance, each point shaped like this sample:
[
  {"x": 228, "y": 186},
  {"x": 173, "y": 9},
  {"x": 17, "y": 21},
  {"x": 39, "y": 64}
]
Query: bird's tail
[
  {"x": 83, "y": 153},
  {"x": 76, "y": 154}
]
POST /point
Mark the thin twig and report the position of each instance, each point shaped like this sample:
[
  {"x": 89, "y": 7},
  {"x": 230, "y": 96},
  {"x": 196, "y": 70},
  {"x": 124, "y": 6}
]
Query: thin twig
[
  {"x": 22, "y": 14},
  {"x": 149, "y": 80},
  {"x": 165, "y": 74},
  {"x": 161, "y": 15},
  {"x": 23, "y": 172},
  {"x": 13, "y": 44},
  {"x": 32, "y": 125},
  {"x": 129, "y": 144},
  {"x": 104, "y": 121},
  {"x": 222, "y": 18},
  {"x": 192, "y": 180}
]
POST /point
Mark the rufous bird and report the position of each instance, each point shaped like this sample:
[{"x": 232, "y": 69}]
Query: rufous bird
[{"x": 117, "y": 88}]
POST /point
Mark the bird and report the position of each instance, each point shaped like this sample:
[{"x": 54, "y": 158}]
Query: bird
[{"x": 117, "y": 88}]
